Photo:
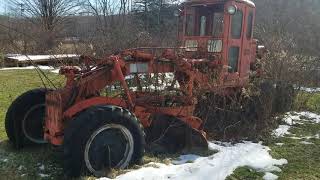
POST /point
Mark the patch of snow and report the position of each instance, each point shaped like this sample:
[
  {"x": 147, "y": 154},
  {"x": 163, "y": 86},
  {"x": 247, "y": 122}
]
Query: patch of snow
[
  {"x": 4, "y": 160},
  {"x": 52, "y": 69},
  {"x": 310, "y": 137},
  {"x": 185, "y": 159},
  {"x": 306, "y": 142},
  {"x": 22, "y": 175},
  {"x": 311, "y": 116},
  {"x": 27, "y": 67},
  {"x": 281, "y": 131},
  {"x": 295, "y": 138},
  {"x": 42, "y": 57},
  {"x": 164, "y": 80},
  {"x": 300, "y": 117},
  {"x": 292, "y": 118},
  {"x": 20, "y": 167},
  {"x": 55, "y": 71},
  {"x": 249, "y": 2},
  {"x": 279, "y": 144},
  {"x": 309, "y": 90},
  {"x": 217, "y": 166},
  {"x": 41, "y": 167},
  {"x": 43, "y": 175},
  {"x": 270, "y": 176}
]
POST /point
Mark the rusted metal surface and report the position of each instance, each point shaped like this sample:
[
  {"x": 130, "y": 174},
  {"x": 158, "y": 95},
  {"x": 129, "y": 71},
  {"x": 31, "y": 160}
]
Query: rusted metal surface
[{"x": 195, "y": 72}]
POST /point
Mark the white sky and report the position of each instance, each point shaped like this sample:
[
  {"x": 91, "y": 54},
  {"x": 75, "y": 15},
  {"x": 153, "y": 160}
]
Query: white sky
[{"x": 3, "y": 4}]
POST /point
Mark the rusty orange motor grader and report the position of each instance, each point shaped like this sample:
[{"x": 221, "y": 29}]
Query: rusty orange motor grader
[{"x": 154, "y": 103}]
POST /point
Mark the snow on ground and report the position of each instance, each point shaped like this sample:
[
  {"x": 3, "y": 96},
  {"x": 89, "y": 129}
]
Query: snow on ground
[
  {"x": 56, "y": 71},
  {"x": 43, "y": 175},
  {"x": 214, "y": 167},
  {"x": 228, "y": 158},
  {"x": 27, "y": 67},
  {"x": 292, "y": 118},
  {"x": 42, "y": 57},
  {"x": 42, "y": 167},
  {"x": 20, "y": 167},
  {"x": 315, "y": 118},
  {"x": 52, "y": 69},
  {"x": 270, "y": 176},
  {"x": 306, "y": 142},
  {"x": 310, "y": 90},
  {"x": 281, "y": 131}
]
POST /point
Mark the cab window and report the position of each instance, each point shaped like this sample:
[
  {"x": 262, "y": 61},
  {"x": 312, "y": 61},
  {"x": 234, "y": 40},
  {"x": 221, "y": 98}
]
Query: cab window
[
  {"x": 249, "y": 25},
  {"x": 205, "y": 21},
  {"x": 203, "y": 25},
  {"x": 217, "y": 24},
  {"x": 236, "y": 25},
  {"x": 233, "y": 59},
  {"x": 189, "y": 25}
]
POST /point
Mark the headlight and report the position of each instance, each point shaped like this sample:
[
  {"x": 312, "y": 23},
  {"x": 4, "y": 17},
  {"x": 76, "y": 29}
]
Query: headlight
[
  {"x": 232, "y": 9},
  {"x": 191, "y": 45},
  {"x": 214, "y": 46}
]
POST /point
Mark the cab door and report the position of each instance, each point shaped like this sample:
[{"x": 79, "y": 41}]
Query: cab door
[
  {"x": 235, "y": 45},
  {"x": 247, "y": 49}
]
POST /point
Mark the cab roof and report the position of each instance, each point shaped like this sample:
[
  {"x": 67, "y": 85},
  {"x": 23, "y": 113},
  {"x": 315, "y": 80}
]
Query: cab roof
[{"x": 199, "y": 2}]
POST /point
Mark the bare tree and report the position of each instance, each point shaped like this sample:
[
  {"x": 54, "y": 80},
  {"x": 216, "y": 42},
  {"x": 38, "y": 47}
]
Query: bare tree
[
  {"x": 114, "y": 28},
  {"x": 49, "y": 15},
  {"x": 288, "y": 30}
]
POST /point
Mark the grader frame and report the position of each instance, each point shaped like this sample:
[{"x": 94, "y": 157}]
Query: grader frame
[
  {"x": 83, "y": 86},
  {"x": 217, "y": 54}
]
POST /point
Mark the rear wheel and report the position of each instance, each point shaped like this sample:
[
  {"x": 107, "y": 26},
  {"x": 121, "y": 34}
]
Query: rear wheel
[
  {"x": 25, "y": 118},
  {"x": 102, "y": 138}
]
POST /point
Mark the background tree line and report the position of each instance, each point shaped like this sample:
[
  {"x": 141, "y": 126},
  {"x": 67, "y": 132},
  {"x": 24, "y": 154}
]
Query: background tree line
[{"x": 288, "y": 29}]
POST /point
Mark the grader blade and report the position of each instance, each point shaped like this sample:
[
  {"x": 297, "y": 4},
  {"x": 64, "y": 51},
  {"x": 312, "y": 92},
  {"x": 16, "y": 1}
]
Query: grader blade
[{"x": 171, "y": 135}]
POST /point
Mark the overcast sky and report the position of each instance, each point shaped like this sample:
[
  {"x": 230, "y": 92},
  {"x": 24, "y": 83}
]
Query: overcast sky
[{"x": 2, "y": 6}]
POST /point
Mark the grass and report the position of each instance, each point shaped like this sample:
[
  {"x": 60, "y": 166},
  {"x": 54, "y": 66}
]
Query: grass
[
  {"x": 304, "y": 160},
  {"x": 13, "y": 84},
  {"x": 23, "y": 164},
  {"x": 245, "y": 173},
  {"x": 307, "y": 101},
  {"x": 30, "y": 163}
]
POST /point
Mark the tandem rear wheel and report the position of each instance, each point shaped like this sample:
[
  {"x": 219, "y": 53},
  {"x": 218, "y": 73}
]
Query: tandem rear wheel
[{"x": 25, "y": 118}]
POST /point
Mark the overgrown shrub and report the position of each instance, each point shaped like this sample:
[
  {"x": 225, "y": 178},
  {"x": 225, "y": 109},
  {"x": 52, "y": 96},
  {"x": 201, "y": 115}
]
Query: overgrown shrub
[{"x": 1, "y": 59}]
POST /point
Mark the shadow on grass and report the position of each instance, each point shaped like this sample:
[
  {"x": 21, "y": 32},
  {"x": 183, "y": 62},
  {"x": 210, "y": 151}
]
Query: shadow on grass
[{"x": 37, "y": 162}]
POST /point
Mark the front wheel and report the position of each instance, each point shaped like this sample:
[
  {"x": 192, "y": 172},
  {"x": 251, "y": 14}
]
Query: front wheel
[{"x": 102, "y": 138}]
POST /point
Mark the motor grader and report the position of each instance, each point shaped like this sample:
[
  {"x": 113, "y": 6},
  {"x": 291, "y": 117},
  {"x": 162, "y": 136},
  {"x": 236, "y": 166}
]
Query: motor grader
[{"x": 114, "y": 108}]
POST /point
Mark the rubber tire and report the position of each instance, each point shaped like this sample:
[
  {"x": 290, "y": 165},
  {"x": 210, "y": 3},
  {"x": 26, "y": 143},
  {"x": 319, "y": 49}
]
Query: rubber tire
[
  {"x": 80, "y": 129},
  {"x": 16, "y": 112}
]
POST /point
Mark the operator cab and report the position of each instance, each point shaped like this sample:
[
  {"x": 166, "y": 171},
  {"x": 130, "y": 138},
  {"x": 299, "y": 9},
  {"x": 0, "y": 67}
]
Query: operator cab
[{"x": 220, "y": 30}]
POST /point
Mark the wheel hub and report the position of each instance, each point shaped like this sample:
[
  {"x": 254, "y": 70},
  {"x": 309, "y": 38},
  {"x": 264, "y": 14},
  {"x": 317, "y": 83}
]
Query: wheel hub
[
  {"x": 111, "y": 146},
  {"x": 32, "y": 124}
]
